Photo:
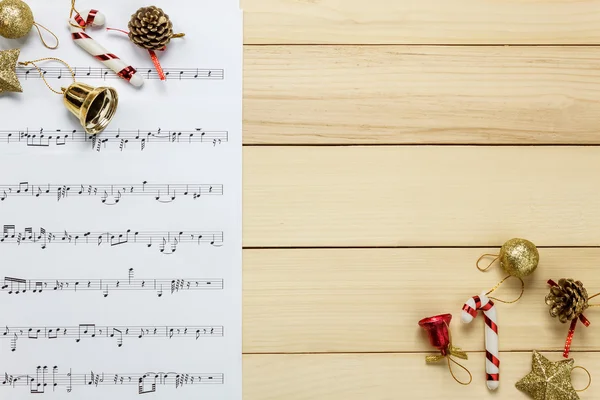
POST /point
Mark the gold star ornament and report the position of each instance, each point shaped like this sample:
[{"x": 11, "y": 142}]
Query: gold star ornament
[
  {"x": 548, "y": 380},
  {"x": 8, "y": 76}
]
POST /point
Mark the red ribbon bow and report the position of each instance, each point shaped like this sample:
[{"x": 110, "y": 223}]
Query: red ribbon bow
[{"x": 583, "y": 319}]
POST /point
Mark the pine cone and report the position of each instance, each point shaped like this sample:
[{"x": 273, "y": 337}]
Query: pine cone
[
  {"x": 150, "y": 28},
  {"x": 567, "y": 300}
]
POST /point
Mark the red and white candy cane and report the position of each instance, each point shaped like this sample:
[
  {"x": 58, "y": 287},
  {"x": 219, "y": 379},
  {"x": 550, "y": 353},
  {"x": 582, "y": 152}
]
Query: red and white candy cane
[
  {"x": 469, "y": 312},
  {"x": 87, "y": 18}
]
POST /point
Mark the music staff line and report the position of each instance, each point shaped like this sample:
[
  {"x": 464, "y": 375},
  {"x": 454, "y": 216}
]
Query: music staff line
[
  {"x": 118, "y": 137},
  {"x": 111, "y": 194},
  {"x": 14, "y": 285},
  {"x": 166, "y": 241},
  {"x": 117, "y": 333},
  {"x": 49, "y": 378},
  {"x": 105, "y": 73}
]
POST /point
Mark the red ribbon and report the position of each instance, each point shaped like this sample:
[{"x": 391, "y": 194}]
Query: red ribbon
[
  {"x": 159, "y": 69},
  {"x": 153, "y": 56},
  {"x": 581, "y": 318}
]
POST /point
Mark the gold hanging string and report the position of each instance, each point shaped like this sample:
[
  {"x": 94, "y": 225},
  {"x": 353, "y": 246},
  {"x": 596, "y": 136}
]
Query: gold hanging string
[
  {"x": 591, "y": 297},
  {"x": 500, "y": 283},
  {"x": 454, "y": 351},
  {"x": 42, "y": 74},
  {"x": 454, "y": 376},
  {"x": 74, "y": 10},
  {"x": 589, "y": 378},
  {"x": 497, "y": 256},
  {"x": 38, "y": 26}
]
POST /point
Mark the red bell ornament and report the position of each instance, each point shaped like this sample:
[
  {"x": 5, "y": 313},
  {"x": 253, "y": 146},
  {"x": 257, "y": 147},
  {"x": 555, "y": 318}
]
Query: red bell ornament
[
  {"x": 437, "y": 329},
  {"x": 438, "y": 332}
]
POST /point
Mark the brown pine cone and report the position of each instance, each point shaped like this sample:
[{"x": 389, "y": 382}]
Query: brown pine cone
[
  {"x": 150, "y": 28},
  {"x": 567, "y": 300}
]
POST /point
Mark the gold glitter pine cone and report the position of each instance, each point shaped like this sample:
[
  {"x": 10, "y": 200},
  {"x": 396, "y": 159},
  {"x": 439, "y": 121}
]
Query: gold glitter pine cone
[
  {"x": 150, "y": 28},
  {"x": 568, "y": 300}
]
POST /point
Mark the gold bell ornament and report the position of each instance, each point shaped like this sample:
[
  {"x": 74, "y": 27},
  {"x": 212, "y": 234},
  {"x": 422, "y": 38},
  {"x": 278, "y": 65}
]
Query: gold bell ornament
[
  {"x": 16, "y": 21},
  {"x": 94, "y": 107}
]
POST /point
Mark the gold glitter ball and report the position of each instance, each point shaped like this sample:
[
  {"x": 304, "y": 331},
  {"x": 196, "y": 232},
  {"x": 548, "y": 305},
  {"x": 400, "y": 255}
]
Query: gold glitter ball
[
  {"x": 8, "y": 77},
  {"x": 16, "y": 19},
  {"x": 519, "y": 257},
  {"x": 548, "y": 380}
]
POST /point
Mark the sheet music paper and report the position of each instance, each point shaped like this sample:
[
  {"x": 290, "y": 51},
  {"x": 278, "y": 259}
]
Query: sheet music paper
[{"x": 121, "y": 253}]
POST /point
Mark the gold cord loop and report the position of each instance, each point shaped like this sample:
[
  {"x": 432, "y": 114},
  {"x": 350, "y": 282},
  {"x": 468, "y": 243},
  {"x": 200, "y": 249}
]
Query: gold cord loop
[
  {"x": 497, "y": 256},
  {"x": 589, "y": 378},
  {"x": 463, "y": 367},
  {"x": 500, "y": 283},
  {"x": 38, "y": 26},
  {"x": 452, "y": 351},
  {"x": 42, "y": 74},
  {"x": 74, "y": 10}
]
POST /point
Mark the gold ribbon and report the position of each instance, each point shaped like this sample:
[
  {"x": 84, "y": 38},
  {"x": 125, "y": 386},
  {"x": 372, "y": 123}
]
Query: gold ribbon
[
  {"x": 451, "y": 351},
  {"x": 454, "y": 351}
]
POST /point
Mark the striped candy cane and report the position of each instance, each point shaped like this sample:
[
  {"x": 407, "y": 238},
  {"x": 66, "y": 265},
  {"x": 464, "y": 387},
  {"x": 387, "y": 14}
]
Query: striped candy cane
[
  {"x": 492, "y": 362},
  {"x": 87, "y": 18}
]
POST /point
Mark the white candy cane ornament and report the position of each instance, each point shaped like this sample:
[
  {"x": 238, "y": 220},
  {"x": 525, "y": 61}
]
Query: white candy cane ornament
[
  {"x": 87, "y": 18},
  {"x": 469, "y": 312}
]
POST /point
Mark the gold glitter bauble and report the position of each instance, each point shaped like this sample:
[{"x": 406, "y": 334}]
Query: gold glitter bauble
[
  {"x": 548, "y": 380},
  {"x": 8, "y": 77},
  {"x": 16, "y": 19},
  {"x": 519, "y": 257}
]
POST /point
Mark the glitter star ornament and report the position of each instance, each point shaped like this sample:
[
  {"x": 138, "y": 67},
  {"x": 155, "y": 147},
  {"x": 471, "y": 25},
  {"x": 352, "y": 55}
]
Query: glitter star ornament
[
  {"x": 8, "y": 76},
  {"x": 548, "y": 380}
]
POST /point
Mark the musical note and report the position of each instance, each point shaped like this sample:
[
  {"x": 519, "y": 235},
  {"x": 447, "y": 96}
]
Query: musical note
[
  {"x": 117, "y": 137},
  {"x": 111, "y": 194},
  {"x": 87, "y": 332},
  {"x": 17, "y": 286},
  {"x": 116, "y": 269},
  {"x": 111, "y": 239},
  {"x": 96, "y": 72},
  {"x": 14, "y": 285},
  {"x": 147, "y": 382}
]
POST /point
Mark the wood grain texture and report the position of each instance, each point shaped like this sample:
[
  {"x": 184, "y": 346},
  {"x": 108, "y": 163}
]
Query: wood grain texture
[
  {"x": 391, "y": 377},
  {"x": 355, "y": 310},
  {"x": 421, "y": 22},
  {"x": 370, "y": 300},
  {"x": 420, "y": 196},
  {"x": 419, "y": 94}
]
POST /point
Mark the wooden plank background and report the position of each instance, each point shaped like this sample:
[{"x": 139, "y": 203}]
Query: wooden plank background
[
  {"x": 422, "y": 22},
  {"x": 421, "y": 94},
  {"x": 388, "y": 144}
]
